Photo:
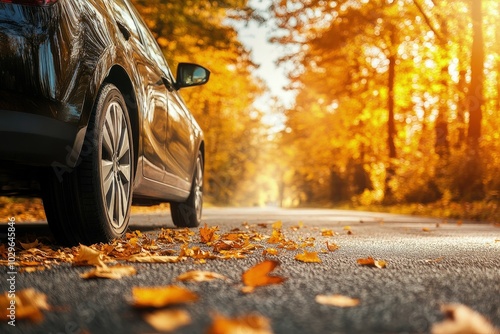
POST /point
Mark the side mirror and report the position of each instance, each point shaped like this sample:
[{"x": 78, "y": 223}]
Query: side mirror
[{"x": 189, "y": 75}]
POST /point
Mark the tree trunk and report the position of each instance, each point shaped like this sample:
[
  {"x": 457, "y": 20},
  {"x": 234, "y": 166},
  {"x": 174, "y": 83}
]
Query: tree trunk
[
  {"x": 391, "y": 131},
  {"x": 471, "y": 187}
]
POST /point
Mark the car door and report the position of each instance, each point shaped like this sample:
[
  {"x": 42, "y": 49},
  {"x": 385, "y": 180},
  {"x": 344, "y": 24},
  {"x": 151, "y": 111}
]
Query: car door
[{"x": 154, "y": 100}]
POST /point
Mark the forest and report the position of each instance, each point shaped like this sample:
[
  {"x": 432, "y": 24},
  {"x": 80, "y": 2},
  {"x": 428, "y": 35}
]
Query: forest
[{"x": 396, "y": 101}]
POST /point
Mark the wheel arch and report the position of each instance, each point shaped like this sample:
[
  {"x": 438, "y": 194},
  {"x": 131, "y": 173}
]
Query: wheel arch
[{"x": 119, "y": 77}]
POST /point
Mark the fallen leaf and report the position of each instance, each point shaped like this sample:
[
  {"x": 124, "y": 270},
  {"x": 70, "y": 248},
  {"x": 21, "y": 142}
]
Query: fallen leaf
[
  {"x": 309, "y": 257},
  {"x": 426, "y": 229},
  {"x": 248, "y": 324},
  {"x": 347, "y": 228},
  {"x": 33, "y": 244},
  {"x": 28, "y": 305},
  {"x": 154, "y": 258},
  {"x": 114, "y": 272},
  {"x": 207, "y": 234},
  {"x": 200, "y": 276},
  {"x": 331, "y": 246},
  {"x": 167, "y": 320},
  {"x": 258, "y": 275},
  {"x": 463, "y": 320},
  {"x": 277, "y": 225},
  {"x": 327, "y": 233},
  {"x": 371, "y": 262},
  {"x": 270, "y": 251},
  {"x": 337, "y": 300},
  {"x": 89, "y": 256},
  {"x": 161, "y": 296}
]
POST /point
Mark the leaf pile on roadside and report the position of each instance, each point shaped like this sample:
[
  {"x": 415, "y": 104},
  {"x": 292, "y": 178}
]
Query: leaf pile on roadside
[
  {"x": 144, "y": 297},
  {"x": 258, "y": 275},
  {"x": 247, "y": 324}
]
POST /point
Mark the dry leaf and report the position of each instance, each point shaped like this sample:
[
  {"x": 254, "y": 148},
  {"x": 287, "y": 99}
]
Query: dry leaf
[
  {"x": 277, "y": 225},
  {"x": 167, "y": 320},
  {"x": 337, "y": 300},
  {"x": 309, "y": 257},
  {"x": 200, "y": 276},
  {"x": 161, "y": 296},
  {"x": 114, "y": 272},
  {"x": 207, "y": 234},
  {"x": 249, "y": 324},
  {"x": 371, "y": 262},
  {"x": 270, "y": 251},
  {"x": 89, "y": 256},
  {"x": 331, "y": 246},
  {"x": 258, "y": 275},
  {"x": 33, "y": 244},
  {"x": 28, "y": 305},
  {"x": 463, "y": 320},
  {"x": 426, "y": 229},
  {"x": 327, "y": 233},
  {"x": 154, "y": 258},
  {"x": 347, "y": 228}
]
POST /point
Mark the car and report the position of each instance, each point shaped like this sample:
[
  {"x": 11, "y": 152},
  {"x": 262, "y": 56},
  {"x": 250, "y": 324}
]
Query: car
[{"x": 91, "y": 119}]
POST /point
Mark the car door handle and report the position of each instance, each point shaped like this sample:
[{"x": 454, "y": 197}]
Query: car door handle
[{"x": 124, "y": 30}]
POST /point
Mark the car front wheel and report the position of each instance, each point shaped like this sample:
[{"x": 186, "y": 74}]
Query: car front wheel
[{"x": 91, "y": 203}]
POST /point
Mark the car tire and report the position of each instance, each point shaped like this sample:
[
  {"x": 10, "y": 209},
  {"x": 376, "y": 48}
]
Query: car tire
[
  {"x": 188, "y": 213},
  {"x": 91, "y": 202}
]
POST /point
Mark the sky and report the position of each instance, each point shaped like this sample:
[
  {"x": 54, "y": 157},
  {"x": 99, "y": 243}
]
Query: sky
[{"x": 265, "y": 54}]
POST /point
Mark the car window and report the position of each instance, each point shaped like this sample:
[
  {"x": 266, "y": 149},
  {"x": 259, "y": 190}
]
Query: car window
[{"x": 124, "y": 17}]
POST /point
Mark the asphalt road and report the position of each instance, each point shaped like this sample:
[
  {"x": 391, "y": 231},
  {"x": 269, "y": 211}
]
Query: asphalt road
[{"x": 430, "y": 262}]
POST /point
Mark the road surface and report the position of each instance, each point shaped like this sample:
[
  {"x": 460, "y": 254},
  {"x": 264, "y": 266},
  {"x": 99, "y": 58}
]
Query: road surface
[{"x": 430, "y": 262}]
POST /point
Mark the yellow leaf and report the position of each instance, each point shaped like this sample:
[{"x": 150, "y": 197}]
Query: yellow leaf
[
  {"x": 371, "y": 262},
  {"x": 347, "y": 228},
  {"x": 167, "y": 320},
  {"x": 310, "y": 257},
  {"x": 460, "y": 320},
  {"x": 249, "y": 324},
  {"x": 327, "y": 233},
  {"x": 258, "y": 275},
  {"x": 161, "y": 296},
  {"x": 28, "y": 305},
  {"x": 337, "y": 300},
  {"x": 88, "y": 256},
  {"x": 277, "y": 225},
  {"x": 270, "y": 251},
  {"x": 199, "y": 276},
  {"x": 114, "y": 272}
]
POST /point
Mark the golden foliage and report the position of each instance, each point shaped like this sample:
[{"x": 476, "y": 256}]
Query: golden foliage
[
  {"x": 161, "y": 296},
  {"x": 248, "y": 324}
]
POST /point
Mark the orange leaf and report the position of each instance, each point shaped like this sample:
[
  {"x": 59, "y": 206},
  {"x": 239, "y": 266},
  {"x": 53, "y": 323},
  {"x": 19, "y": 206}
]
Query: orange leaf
[
  {"x": 249, "y": 324},
  {"x": 309, "y": 257},
  {"x": 327, "y": 233},
  {"x": 270, "y": 251},
  {"x": 426, "y": 229},
  {"x": 332, "y": 247},
  {"x": 199, "y": 276},
  {"x": 114, "y": 272},
  {"x": 161, "y": 296},
  {"x": 371, "y": 262},
  {"x": 337, "y": 300},
  {"x": 89, "y": 256},
  {"x": 207, "y": 234},
  {"x": 258, "y": 275},
  {"x": 277, "y": 225},
  {"x": 168, "y": 320}
]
